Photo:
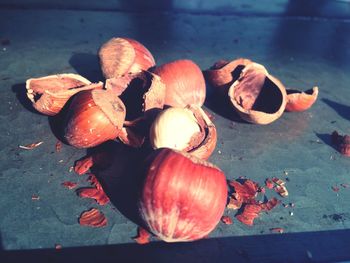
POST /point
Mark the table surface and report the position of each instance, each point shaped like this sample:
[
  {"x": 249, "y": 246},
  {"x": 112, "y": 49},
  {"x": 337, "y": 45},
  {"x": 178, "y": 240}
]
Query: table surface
[{"x": 302, "y": 52}]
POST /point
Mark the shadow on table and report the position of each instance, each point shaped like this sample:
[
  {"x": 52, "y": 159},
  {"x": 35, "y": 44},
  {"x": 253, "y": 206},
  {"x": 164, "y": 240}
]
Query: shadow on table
[
  {"x": 341, "y": 109},
  {"x": 326, "y": 138},
  {"x": 290, "y": 31},
  {"x": 223, "y": 108},
  {"x": 221, "y": 105},
  {"x": 119, "y": 170},
  {"x": 321, "y": 246},
  {"x": 147, "y": 6},
  {"x": 298, "y": 37},
  {"x": 21, "y": 94},
  {"x": 1, "y": 248},
  {"x": 87, "y": 65},
  {"x": 311, "y": 8},
  {"x": 152, "y": 34},
  {"x": 57, "y": 125}
]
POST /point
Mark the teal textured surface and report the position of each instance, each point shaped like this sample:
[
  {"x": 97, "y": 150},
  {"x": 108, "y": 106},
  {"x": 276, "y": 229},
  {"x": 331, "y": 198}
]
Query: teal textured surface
[{"x": 301, "y": 52}]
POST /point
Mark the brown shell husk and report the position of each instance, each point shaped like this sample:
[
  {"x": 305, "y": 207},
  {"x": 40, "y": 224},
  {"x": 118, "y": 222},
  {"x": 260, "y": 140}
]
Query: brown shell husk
[
  {"x": 206, "y": 147},
  {"x": 110, "y": 105},
  {"x": 257, "y": 96},
  {"x": 120, "y": 56},
  {"x": 223, "y": 73},
  {"x": 184, "y": 81},
  {"x": 301, "y": 100},
  {"x": 116, "y": 57},
  {"x": 94, "y": 117},
  {"x": 152, "y": 102},
  {"x": 49, "y": 94},
  {"x": 119, "y": 84},
  {"x": 130, "y": 137},
  {"x": 342, "y": 143},
  {"x": 144, "y": 59},
  {"x": 153, "y": 96}
]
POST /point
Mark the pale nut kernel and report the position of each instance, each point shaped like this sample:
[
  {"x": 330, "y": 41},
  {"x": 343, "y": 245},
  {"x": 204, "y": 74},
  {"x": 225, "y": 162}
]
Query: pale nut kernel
[{"x": 174, "y": 128}]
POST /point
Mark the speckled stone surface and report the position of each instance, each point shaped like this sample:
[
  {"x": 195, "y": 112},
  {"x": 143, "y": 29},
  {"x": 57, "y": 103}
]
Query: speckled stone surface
[{"x": 301, "y": 52}]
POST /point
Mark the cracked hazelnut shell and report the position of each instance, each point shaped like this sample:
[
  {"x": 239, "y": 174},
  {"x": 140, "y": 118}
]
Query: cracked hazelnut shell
[
  {"x": 223, "y": 73},
  {"x": 184, "y": 82},
  {"x": 186, "y": 129},
  {"x": 120, "y": 56},
  {"x": 94, "y": 116},
  {"x": 143, "y": 95},
  {"x": 49, "y": 94},
  {"x": 207, "y": 146},
  {"x": 257, "y": 96}
]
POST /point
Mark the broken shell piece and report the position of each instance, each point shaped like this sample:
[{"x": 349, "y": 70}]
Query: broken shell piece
[
  {"x": 94, "y": 116},
  {"x": 91, "y": 192},
  {"x": 280, "y": 186},
  {"x": 278, "y": 230},
  {"x": 70, "y": 185},
  {"x": 249, "y": 213},
  {"x": 269, "y": 184},
  {"x": 129, "y": 137},
  {"x": 120, "y": 56},
  {"x": 99, "y": 159},
  {"x": 278, "y": 181},
  {"x": 342, "y": 143},
  {"x": 49, "y": 94},
  {"x": 257, "y": 96},
  {"x": 96, "y": 192},
  {"x": 301, "y": 100},
  {"x": 143, "y": 236},
  {"x": 31, "y": 146},
  {"x": 335, "y": 188},
  {"x": 93, "y": 218},
  {"x": 234, "y": 203},
  {"x": 281, "y": 190},
  {"x": 270, "y": 204},
  {"x": 207, "y": 146},
  {"x": 227, "y": 220},
  {"x": 246, "y": 191},
  {"x": 58, "y": 246},
  {"x": 141, "y": 94},
  {"x": 224, "y": 73}
]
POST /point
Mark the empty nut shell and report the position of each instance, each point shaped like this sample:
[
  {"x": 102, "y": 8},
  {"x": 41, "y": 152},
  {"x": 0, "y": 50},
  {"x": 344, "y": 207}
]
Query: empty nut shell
[
  {"x": 120, "y": 56},
  {"x": 257, "y": 96},
  {"x": 49, "y": 94},
  {"x": 143, "y": 95},
  {"x": 223, "y": 73}
]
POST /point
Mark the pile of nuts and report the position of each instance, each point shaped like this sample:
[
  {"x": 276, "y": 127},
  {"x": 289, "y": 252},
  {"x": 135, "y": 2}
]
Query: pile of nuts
[{"x": 142, "y": 104}]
